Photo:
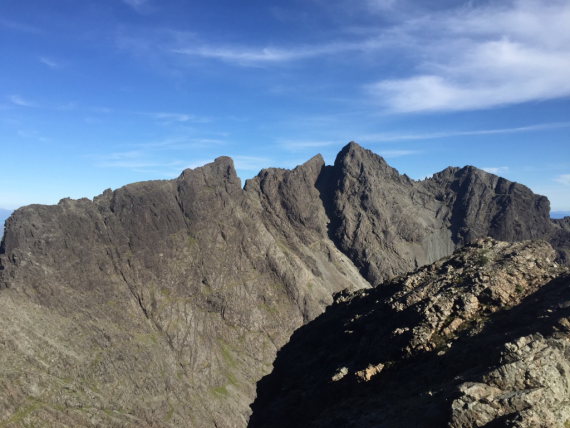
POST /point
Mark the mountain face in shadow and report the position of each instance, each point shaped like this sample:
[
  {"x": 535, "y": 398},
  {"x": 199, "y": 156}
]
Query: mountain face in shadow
[
  {"x": 477, "y": 339},
  {"x": 163, "y": 303}
]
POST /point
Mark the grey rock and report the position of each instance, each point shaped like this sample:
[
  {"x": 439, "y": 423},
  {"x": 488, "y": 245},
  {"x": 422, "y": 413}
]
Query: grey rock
[
  {"x": 162, "y": 303},
  {"x": 477, "y": 339},
  {"x": 389, "y": 224}
]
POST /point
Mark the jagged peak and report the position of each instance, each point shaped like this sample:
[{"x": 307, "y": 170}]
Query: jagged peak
[
  {"x": 353, "y": 157},
  {"x": 221, "y": 169},
  {"x": 316, "y": 160},
  {"x": 312, "y": 166},
  {"x": 352, "y": 150}
]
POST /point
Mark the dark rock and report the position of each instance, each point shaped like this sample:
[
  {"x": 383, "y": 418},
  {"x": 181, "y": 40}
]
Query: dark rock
[{"x": 388, "y": 224}]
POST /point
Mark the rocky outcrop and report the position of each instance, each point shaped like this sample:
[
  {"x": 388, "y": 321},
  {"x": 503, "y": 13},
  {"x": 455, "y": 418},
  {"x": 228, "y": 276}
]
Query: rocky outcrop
[
  {"x": 478, "y": 339},
  {"x": 163, "y": 303}
]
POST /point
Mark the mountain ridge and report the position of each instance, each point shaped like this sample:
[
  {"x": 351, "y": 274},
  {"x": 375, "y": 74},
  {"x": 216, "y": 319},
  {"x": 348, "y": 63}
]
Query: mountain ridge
[{"x": 208, "y": 278}]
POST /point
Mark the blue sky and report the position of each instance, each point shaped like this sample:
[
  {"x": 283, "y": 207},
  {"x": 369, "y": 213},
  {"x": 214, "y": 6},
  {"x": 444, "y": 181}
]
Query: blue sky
[{"x": 100, "y": 93}]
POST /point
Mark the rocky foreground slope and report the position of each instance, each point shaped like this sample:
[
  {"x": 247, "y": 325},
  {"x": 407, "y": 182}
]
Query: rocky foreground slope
[
  {"x": 162, "y": 303},
  {"x": 478, "y": 339}
]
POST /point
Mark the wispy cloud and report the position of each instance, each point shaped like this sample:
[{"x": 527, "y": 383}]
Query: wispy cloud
[
  {"x": 563, "y": 179},
  {"x": 482, "y": 57},
  {"x": 165, "y": 157},
  {"x": 251, "y": 56},
  {"x": 51, "y": 63},
  {"x": 21, "y": 101},
  {"x": 394, "y": 137},
  {"x": 34, "y": 135},
  {"x": 497, "y": 170}
]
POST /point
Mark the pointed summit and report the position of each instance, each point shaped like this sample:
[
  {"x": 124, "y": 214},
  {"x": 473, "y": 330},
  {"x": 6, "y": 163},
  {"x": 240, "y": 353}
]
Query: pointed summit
[
  {"x": 351, "y": 151},
  {"x": 220, "y": 171},
  {"x": 355, "y": 160}
]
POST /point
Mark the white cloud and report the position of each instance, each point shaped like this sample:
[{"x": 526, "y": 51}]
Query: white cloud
[
  {"x": 49, "y": 62},
  {"x": 484, "y": 57},
  {"x": 563, "y": 179},
  {"x": 497, "y": 170},
  {"x": 251, "y": 56},
  {"x": 21, "y": 101}
]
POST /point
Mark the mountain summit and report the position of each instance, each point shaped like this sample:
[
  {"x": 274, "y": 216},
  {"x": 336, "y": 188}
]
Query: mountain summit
[{"x": 163, "y": 303}]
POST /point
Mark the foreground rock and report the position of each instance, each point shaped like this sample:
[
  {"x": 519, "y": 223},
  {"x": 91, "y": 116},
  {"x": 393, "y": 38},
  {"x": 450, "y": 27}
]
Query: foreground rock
[
  {"x": 478, "y": 339},
  {"x": 164, "y": 302}
]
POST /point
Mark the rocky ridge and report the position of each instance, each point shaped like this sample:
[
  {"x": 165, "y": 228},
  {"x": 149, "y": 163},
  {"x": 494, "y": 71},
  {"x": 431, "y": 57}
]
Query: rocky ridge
[
  {"x": 163, "y": 303},
  {"x": 481, "y": 338}
]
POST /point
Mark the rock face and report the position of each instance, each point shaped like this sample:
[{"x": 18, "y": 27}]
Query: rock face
[
  {"x": 159, "y": 304},
  {"x": 163, "y": 303},
  {"x": 4, "y": 214},
  {"x": 389, "y": 224},
  {"x": 478, "y": 339}
]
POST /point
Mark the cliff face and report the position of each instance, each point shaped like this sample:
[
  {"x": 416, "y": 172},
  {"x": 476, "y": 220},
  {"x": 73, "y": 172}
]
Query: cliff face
[
  {"x": 478, "y": 339},
  {"x": 163, "y": 303},
  {"x": 389, "y": 224}
]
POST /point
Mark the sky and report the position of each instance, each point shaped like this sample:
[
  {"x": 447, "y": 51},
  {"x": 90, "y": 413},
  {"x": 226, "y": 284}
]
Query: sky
[{"x": 100, "y": 93}]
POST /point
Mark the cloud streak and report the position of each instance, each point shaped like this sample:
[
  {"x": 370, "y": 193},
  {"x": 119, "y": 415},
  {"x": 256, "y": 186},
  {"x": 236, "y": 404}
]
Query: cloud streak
[
  {"x": 394, "y": 137},
  {"x": 21, "y": 101},
  {"x": 253, "y": 56},
  {"x": 49, "y": 62}
]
